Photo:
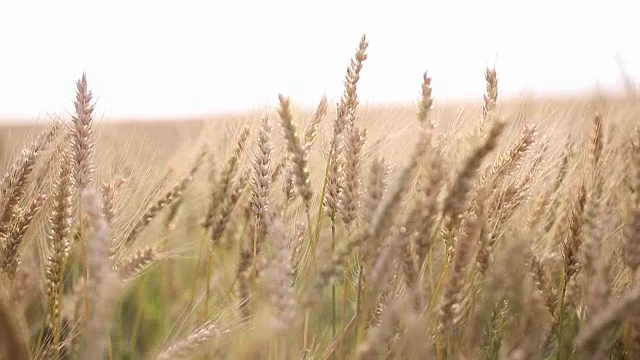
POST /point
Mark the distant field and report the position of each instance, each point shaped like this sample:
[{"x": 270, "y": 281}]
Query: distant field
[{"x": 390, "y": 124}]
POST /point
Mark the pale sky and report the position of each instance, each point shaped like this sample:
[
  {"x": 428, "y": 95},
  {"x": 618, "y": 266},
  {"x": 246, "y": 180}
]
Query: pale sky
[{"x": 186, "y": 58}]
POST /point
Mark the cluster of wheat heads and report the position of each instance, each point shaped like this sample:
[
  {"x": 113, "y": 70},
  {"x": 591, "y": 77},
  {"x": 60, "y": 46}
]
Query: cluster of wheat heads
[{"x": 514, "y": 243}]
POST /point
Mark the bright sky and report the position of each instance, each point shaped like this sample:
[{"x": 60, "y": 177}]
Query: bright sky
[{"x": 182, "y": 58}]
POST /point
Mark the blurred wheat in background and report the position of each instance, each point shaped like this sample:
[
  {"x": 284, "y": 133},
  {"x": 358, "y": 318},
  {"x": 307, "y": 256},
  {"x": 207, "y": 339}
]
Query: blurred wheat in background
[{"x": 497, "y": 230}]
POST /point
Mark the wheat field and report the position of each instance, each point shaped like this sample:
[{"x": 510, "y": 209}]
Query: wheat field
[{"x": 487, "y": 230}]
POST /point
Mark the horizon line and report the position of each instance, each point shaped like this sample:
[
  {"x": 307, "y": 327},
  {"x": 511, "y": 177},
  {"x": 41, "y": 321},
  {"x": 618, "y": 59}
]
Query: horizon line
[{"x": 611, "y": 93}]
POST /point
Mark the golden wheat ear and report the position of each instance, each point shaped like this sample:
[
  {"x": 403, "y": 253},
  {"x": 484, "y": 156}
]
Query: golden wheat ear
[
  {"x": 17, "y": 180},
  {"x": 171, "y": 196},
  {"x": 58, "y": 246},
  {"x": 260, "y": 185},
  {"x": 186, "y": 348},
  {"x": 345, "y": 118},
  {"x": 223, "y": 186},
  {"x": 296, "y": 152},
  {"x": 458, "y": 194},
  {"x": 15, "y": 220},
  {"x": 82, "y": 135}
]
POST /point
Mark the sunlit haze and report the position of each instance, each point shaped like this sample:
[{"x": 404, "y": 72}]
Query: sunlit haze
[{"x": 189, "y": 58}]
